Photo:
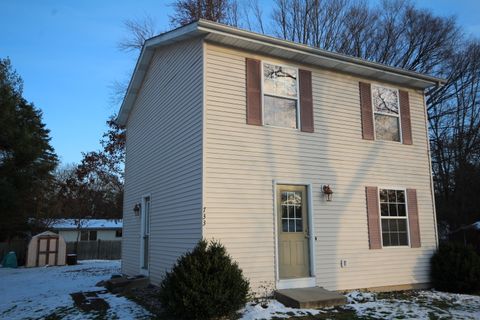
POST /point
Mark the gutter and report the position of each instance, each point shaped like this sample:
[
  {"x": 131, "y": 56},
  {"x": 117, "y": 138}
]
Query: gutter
[
  {"x": 210, "y": 26},
  {"x": 204, "y": 27}
]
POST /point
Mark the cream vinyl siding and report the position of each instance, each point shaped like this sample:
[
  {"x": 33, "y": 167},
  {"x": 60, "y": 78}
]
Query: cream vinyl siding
[
  {"x": 241, "y": 161},
  {"x": 164, "y": 158}
]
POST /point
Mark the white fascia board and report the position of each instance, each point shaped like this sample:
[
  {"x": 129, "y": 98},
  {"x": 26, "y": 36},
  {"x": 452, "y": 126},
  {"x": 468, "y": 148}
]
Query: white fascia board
[
  {"x": 340, "y": 62},
  {"x": 143, "y": 62}
]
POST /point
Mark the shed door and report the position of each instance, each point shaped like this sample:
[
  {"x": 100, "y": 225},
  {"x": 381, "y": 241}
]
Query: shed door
[
  {"x": 47, "y": 251},
  {"x": 293, "y": 236}
]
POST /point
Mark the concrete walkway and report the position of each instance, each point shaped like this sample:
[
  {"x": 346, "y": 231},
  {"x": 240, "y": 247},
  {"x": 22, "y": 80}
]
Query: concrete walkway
[{"x": 315, "y": 297}]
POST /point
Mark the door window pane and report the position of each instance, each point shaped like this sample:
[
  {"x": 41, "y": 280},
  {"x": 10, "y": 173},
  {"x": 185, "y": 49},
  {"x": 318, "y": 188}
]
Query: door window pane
[
  {"x": 298, "y": 225},
  {"x": 284, "y": 212},
  {"x": 292, "y": 220}
]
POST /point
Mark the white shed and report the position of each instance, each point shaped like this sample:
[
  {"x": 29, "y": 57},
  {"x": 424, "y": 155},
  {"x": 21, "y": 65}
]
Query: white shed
[{"x": 46, "y": 248}]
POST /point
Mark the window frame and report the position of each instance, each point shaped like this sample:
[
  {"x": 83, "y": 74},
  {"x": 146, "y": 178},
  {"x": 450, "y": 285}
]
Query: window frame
[
  {"x": 92, "y": 232},
  {"x": 295, "y": 219},
  {"x": 83, "y": 232},
  {"x": 408, "y": 245},
  {"x": 298, "y": 122},
  {"x": 399, "y": 116}
]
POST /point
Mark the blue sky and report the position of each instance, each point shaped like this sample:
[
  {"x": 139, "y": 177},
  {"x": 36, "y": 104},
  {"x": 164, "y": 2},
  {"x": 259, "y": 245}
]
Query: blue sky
[{"x": 66, "y": 53}]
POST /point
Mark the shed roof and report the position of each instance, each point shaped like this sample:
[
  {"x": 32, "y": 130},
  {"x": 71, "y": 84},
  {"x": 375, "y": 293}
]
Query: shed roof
[{"x": 246, "y": 40}]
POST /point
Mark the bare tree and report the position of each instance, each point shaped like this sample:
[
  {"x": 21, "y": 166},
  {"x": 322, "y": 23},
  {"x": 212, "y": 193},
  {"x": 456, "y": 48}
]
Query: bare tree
[
  {"x": 233, "y": 14},
  {"x": 137, "y": 31},
  {"x": 393, "y": 32},
  {"x": 187, "y": 11},
  {"x": 253, "y": 8},
  {"x": 455, "y": 140}
]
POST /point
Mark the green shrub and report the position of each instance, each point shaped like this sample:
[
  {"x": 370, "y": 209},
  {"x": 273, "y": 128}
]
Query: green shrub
[
  {"x": 455, "y": 268},
  {"x": 204, "y": 284}
]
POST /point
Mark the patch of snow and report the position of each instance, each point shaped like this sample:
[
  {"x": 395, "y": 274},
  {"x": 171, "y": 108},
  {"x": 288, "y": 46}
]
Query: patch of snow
[
  {"x": 34, "y": 293},
  {"x": 273, "y": 309},
  {"x": 425, "y": 304},
  {"x": 360, "y": 297},
  {"x": 420, "y": 305}
]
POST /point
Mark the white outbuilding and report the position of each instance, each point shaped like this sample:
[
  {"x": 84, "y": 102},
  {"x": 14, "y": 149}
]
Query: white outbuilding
[{"x": 46, "y": 248}]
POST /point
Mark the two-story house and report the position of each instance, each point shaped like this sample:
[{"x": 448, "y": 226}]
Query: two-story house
[{"x": 243, "y": 137}]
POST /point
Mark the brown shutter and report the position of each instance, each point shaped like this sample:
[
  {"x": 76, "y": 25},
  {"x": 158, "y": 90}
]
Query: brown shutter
[
  {"x": 413, "y": 218},
  {"x": 405, "y": 117},
  {"x": 366, "y": 110},
  {"x": 306, "y": 101},
  {"x": 254, "y": 94},
  {"x": 373, "y": 217}
]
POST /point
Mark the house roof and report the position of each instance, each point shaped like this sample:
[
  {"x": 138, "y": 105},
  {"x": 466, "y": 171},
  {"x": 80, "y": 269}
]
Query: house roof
[
  {"x": 72, "y": 224},
  {"x": 246, "y": 40}
]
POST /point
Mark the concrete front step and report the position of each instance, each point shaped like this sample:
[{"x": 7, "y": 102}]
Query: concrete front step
[{"x": 315, "y": 297}]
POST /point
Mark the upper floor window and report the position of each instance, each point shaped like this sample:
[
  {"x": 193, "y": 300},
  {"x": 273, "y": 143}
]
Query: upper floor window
[
  {"x": 386, "y": 109},
  {"x": 280, "y": 96}
]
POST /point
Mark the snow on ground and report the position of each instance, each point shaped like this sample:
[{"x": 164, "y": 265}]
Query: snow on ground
[
  {"x": 425, "y": 304},
  {"x": 33, "y": 293},
  {"x": 273, "y": 308}
]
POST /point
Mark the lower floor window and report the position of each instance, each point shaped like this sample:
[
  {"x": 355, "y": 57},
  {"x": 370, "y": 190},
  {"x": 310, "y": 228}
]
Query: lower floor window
[{"x": 393, "y": 214}]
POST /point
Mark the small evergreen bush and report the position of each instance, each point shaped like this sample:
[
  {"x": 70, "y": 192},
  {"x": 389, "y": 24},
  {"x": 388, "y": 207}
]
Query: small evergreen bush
[
  {"x": 204, "y": 284},
  {"x": 455, "y": 268}
]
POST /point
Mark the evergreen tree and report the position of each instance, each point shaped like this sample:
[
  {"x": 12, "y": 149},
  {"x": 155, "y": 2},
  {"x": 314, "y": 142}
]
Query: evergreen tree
[{"x": 26, "y": 157}]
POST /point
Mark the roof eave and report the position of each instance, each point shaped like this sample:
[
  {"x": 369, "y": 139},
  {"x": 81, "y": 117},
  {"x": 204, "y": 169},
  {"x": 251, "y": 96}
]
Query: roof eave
[
  {"x": 213, "y": 27},
  {"x": 143, "y": 62},
  {"x": 243, "y": 39}
]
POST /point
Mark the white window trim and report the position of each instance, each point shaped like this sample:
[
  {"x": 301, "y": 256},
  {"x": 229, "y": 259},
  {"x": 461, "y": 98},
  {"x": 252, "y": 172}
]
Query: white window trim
[
  {"x": 144, "y": 271},
  {"x": 406, "y": 216},
  {"x": 280, "y": 96},
  {"x": 387, "y": 114}
]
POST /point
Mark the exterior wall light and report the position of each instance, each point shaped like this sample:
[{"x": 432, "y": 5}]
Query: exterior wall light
[
  {"x": 136, "y": 209},
  {"x": 327, "y": 192}
]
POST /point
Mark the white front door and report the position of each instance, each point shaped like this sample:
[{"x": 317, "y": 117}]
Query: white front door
[{"x": 145, "y": 236}]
